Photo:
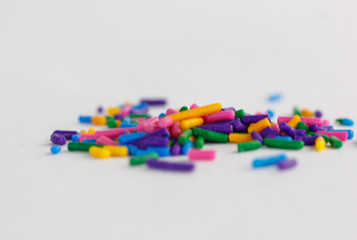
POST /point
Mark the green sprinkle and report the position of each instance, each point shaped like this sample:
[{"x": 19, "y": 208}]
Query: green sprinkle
[
  {"x": 135, "y": 122},
  {"x": 139, "y": 115},
  {"x": 185, "y": 135},
  {"x": 296, "y": 111},
  {"x": 335, "y": 142},
  {"x": 210, "y": 135},
  {"x": 303, "y": 126},
  {"x": 81, "y": 146},
  {"x": 142, "y": 159},
  {"x": 327, "y": 139},
  {"x": 274, "y": 143},
  {"x": 184, "y": 108},
  {"x": 240, "y": 113},
  {"x": 111, "y": 123},
  {"x": 248, "y": 146},
  {"x": 200, "y": 142}
]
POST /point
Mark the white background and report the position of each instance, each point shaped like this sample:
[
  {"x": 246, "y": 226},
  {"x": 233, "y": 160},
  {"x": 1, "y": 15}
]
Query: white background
[{"x": 60, "y": 59}]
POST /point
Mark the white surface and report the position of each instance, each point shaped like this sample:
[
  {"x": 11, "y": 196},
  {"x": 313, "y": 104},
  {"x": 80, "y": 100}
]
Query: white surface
[{"x": 59, "y": 59}]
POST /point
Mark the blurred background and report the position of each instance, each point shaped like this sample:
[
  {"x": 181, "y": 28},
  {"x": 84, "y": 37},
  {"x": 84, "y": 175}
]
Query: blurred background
[{"x": 59, "y": 59}]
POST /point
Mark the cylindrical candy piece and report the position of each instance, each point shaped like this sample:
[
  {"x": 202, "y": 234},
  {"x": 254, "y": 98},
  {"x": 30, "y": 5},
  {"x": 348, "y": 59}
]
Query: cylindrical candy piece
[
  {"x": 240, "y": 137},
  {"x": 117, "y": 151},
  {"x": 196, "y": 154},
  {"x": 103, "y": 140},
  {"x": 256, "y": 136},
  {"x": 190, "y": 123},
  {"x": 240, "y": 113},
  {"x": 55, "y": 149},
  {"x": 200, "y": 141},
  {"x": 185, "y": 135},
  {"x": 248, "y": 146},
  {"x": 137, "y": 160},
  {"x": 197, "y": 112},
  {"x": 268, "y": 161},
  {"x": 273, "y": 143},
  {"x": 173, "y": 166},
  {"x": 320, "y": 144},
  {"x": 175, "y": 149},
  {"x": 335, "y": 142},
  {"x": 340, "y": 135},
  {"x": 210, "y": 135},
  {"x": 294, "y": 121},
  {"x": 220, "y": 116},
  {"x": 81, "y": 146},
  {"x": 259, "y": 126},
  {"x": 99, "y": 152},
  {"x": 128, "y": 138},
  {"x": 67, "y": 134},
  {"x": 154, "y": 102},
  {"x": 58, "y": 139},
  {"x": 290, "y": 163},
  {"x": 222, "y": 128},
  {"x": 165, "y": 122},
  {"x": 345, "y": 121}
]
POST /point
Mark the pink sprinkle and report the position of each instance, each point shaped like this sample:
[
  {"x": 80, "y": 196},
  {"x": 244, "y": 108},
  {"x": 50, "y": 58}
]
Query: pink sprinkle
[
  {"x": 307, "y": 120},
  {"x": 193, "y": 106},
  {"x": 170, "y": 111},
  {"x": 176, "y": 130},
  {"x": 340, "y": 135},
  {"x": 220, "y": 116},
  {"x": 165, "y": 122},
  {"x": 125, "y": 111},
  {"x": 196, "y": 154},
  {"x": 111, "y": 133},
  {"x": 105, "y": 141},
  {"x": 275, "y": 127}
]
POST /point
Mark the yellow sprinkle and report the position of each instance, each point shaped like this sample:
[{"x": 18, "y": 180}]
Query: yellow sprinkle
[
  {"x": 83, "y": 131},
  {"x": 259, "y": 126},
  {"x": 113, "y": 110},
  {"x": 294, "y": 121},
  {"x": 239, "y": 137},
  {"x": 99, "y": 120},
  {"x": 306, "y": 113},
  {"x": 91, "y": 131},
  {"x": 99, "y": 152},
  {"x": 197, "y": 112},
  {"x": 320, "y": 144},
  {"x": 190, "y": 123},
  {"x": 117, "y": 151}
]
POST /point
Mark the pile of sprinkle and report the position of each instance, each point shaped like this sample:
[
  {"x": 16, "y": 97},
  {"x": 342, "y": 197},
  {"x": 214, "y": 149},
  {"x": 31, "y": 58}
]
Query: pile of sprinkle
[{"x": 151, "y": 140}]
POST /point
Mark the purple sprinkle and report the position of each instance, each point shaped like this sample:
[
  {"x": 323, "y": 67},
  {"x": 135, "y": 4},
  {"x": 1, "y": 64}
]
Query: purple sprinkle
[
  {"x": 154, "y": 102},
  {"x": 256, "y": 136},
  {"x": 67, "y": 134},
  {"x": 282, "y": 165},
  {"x": 58, "y": 139},
  {"x": 309, "y": 141},
  {"x": 229, "y": 108},
  {"x": 254, "y": 118},
  {"x": 174, "y": 166},
  {"x": 118, "y": 116},
  {"x": 154, "y": 142},
  {"x": 268, "y": 132},
  {"x": 139, "y": 111},
  {"x": 318, "y": 114},
  {"x": 239, "y": 126},
  {"x": 176, "y": 149},
  {"x": 100, "y": 109},
  {"x": 315, "y": 128},
  {"x": 163, "y": 132},
  {"x": 222, "y": 128}
]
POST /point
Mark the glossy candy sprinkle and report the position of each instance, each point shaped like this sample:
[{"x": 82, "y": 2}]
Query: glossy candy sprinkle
[
  {"x": 172, "y": 166},
  {"x": 99, "y": 152},
  {"x": 345, "y": 121},
  {"x": 55, "y": 149},
  {"x": 283, "y": 165},
  {"x": 58, "y": 139},
  {"x": 196, "y": 154},
  {"x": 268, "y": 161},
  {"x": 248, "y": 146}
]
